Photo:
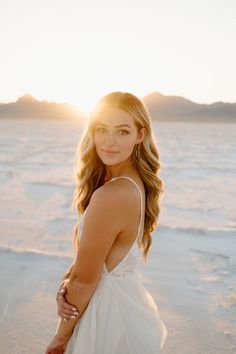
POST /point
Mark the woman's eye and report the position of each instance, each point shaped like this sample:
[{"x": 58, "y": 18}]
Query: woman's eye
[
  {"x": 98, "y": 129},
  {"x": 124, "y": 131},
  {"x": 121, "y": 131}
]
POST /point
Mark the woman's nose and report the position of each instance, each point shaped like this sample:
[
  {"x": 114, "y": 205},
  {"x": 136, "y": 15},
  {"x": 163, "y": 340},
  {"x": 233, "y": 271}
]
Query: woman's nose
[{"x": 110, "y": 137}]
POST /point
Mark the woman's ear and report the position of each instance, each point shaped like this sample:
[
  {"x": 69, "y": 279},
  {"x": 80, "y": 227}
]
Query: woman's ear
[{"x": 141, "y": 134}]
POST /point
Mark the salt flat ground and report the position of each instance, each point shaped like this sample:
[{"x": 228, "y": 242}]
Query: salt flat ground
[{"x": 191, "y": 271}]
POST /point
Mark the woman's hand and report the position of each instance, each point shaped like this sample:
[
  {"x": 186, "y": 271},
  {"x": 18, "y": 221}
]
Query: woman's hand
[
  {"x": 64, "y": 309},
  {"x": 57, "y": 345}
]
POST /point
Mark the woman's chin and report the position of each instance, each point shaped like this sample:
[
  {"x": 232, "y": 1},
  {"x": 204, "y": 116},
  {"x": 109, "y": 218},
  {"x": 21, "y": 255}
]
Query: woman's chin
[{"x": 112, "y": 159}]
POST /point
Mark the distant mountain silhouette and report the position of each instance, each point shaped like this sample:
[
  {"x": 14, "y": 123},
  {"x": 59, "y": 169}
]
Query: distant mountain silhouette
[
  {"x": 28, "y": 107},
  {"x": 161, "y": 107},
  {"x": 178, "y": 108}
]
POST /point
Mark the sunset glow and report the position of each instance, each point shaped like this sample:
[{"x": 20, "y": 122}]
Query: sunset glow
[{"x": 76, "y": 51}]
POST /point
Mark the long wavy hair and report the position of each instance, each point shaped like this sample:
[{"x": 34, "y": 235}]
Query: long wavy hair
[{"x": 90, "y": 171}]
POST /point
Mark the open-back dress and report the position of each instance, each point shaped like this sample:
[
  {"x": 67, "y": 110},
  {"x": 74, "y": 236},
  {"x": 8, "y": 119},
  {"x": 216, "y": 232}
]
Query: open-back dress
[{"x": 122, "y": 316}]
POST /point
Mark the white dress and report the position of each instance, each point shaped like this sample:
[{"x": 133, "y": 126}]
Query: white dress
[{"x": 122, "y": 316}]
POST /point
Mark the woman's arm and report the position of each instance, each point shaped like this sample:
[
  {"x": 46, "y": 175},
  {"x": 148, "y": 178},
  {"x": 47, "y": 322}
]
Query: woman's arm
[
  {"x": 79, "y": 295},
  {"x": 64, "y": 309},
  {"x": 100, "y": 230},
  {"x": 64, "y": 281},
  {"x": 68, "y": 272}
]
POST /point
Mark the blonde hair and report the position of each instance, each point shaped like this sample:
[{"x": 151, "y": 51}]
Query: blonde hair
[{"x": 90, "y": 170}]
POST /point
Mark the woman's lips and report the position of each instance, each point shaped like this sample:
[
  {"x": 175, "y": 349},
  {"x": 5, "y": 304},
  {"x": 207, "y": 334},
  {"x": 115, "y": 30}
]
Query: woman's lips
[{"x": 110, "y": 152}]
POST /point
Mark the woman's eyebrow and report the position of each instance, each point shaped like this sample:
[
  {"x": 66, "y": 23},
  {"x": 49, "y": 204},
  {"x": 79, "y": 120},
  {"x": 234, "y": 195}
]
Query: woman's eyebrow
[{"x": 117, "y": 126}]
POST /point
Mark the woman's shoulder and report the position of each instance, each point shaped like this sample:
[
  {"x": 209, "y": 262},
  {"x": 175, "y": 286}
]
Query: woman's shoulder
[
  {"x": 116, "y": 191},
  {"x": 106, "y": 203},
  {"x": 111, "y": 192},
  {"x": 125, "y": 184}
]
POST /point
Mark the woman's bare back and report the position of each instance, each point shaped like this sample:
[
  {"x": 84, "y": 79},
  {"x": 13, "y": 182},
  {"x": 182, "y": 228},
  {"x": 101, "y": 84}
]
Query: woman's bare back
[{"x": 127, "y": 236}]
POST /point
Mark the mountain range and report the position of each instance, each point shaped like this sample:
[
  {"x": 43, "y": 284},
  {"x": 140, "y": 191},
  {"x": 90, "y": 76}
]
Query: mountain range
[
  {"x": 160, "y": 107},
  {"x": 179, "y": 108},
  {"x": 29, "y": 107}
]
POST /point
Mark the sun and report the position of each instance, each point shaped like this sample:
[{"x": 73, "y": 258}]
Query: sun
[{"x": 84, "y": 105}]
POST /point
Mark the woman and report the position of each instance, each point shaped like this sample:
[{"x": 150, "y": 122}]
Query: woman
[{"x": 104, "y": 306}]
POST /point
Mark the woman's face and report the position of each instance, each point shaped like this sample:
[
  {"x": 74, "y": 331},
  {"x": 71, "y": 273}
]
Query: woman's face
[{"x": 115, "y": 135}]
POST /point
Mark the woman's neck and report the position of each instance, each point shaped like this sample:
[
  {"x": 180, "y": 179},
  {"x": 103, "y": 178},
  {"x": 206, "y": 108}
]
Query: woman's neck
[{"x": 124, "y": 169}]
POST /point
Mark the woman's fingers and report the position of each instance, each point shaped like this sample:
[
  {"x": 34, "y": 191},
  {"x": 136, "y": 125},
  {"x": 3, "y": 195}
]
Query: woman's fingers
[
  {"x": 66, "y": 311},
  {"x": 67, "y": 317},
  {"x": 67, "y": 308},
  {"x": 61, "y": 293},
  {"x": 69, "y": 312}
]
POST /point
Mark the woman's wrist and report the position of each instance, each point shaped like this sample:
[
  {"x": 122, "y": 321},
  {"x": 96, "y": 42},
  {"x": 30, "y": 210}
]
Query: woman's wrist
[
  {"x": 61, "y": 333},
  {"x": 61, "y": 338}
]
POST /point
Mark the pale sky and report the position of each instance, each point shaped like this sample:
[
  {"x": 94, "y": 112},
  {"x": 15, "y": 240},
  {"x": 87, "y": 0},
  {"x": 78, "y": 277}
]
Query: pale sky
[{"x": 78, "y": 50}]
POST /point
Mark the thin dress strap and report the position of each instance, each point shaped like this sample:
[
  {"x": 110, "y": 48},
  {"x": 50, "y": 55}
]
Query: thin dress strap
[{"x": 131, "y": 179}]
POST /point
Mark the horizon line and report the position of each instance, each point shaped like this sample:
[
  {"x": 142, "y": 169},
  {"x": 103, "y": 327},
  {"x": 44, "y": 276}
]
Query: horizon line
[{"x": 73, "y": 104}]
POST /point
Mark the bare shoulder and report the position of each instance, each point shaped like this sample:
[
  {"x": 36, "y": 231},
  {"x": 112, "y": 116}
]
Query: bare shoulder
[{"x": 112, "y": 198}]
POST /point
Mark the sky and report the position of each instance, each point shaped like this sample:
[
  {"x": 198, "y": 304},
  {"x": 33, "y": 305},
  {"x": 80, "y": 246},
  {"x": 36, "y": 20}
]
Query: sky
[{"x": 76, "y": 51}]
